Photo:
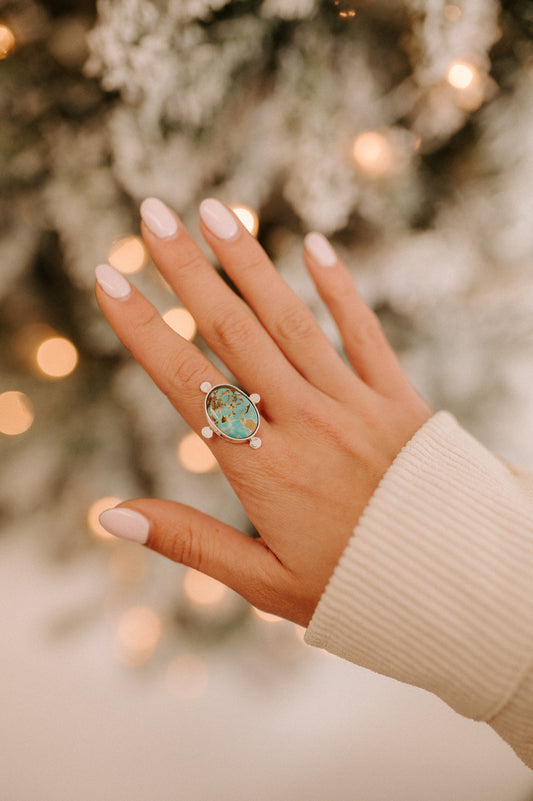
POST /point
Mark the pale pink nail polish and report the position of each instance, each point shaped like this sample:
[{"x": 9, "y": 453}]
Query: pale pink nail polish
[
  {"x": 112, "y": 282},
  {"x": 127, "y": 524},
  {"x": 159, "y": 218},
  {"x": 218, "y": 219},
  {"x": 320, "y": 249}
]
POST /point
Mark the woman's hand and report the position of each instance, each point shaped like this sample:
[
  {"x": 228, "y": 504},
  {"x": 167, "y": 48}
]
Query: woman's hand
[{"x": 328, "y": 433}]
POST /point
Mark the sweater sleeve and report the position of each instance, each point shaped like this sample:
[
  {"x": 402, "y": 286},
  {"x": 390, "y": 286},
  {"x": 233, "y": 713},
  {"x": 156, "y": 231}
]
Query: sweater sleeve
[{"x": 435, "y": 587}]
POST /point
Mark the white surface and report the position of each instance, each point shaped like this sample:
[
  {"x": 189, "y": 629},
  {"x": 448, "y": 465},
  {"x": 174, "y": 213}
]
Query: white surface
[{"x": 76, "y": 725}]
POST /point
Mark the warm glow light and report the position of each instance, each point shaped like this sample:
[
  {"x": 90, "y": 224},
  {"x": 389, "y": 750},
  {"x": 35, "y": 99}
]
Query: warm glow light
[
  {"x": 181, "y": 321},
  {"x": 267, "y": 617},
  {"x": 452, "y": 13},
  {"x": 16, "y": 413},
  {"x": 57, "y": 357},
  {"x": 248, "y": 217},
  {"x": 186, "y": 677},
  {"x": 202, "y": 589},
  {"x": 347, "y": 14},
  {"x": 128, "y": 255},
  {"x": 372, "y": 153},
  {"x": 138, "y": 633},
  {"x": 461, "y": 75},
  {"x": 195, "y": 455},
  {"x": 7, "y": 41},
  {"x": 95, "y": 509}
]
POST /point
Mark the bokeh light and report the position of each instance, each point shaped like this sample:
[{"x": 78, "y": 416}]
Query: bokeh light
[
  {"x": 57, "y": 357},
  {"x": 194, "y": 454},
  {"x": 203, "y": 590},
  {"x": 461, "y": 75},
  {"x": 187, "y": 677},
  {"x": 181, "y": 321},
  {"x": 138, "y": 633},
  {"x": 16, "y": 413},
  {"x": 128, "y": 255},
  {"x": 96, "y": 509},
  {"x": 7, "y": 41},
  {"x": 452, "y": 13},
  {"x": 373, "y": 154},
  {"x": 248, "y": 217}
]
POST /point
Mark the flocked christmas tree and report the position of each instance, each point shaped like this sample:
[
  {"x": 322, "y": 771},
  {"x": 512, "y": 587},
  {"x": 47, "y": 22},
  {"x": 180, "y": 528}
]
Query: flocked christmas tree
[{"x": 400, "y": 130}]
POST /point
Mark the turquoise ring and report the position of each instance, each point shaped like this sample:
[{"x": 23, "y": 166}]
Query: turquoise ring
[{"x": 231, "y": 414}]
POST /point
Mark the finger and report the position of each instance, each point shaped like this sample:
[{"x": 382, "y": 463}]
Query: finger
[
  {"x": 365, "y": 343},
  {"x": 197, "y": 540},
  {"x": 283, "y": 314},
  {"x": 225, "y": 321},
  {"x": 178, "y": 367}
]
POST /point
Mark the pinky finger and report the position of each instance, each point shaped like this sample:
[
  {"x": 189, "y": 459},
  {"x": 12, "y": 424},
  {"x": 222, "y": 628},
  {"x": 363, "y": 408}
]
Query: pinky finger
[
  {"x": 365, "y": 343},
  {"x": 197, "y": 540}
]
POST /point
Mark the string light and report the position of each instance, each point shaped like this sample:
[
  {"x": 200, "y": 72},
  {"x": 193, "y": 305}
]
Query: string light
[
  {"x": 7, "y": 41},
  {"x": 461, "y": 75},
  {"x": 128, "y": 255},
  {"x": 452, "y": 13},
  {"x": 186, "y": 677},
  {"x": 349, "y": 14},
  {"x": 248, "y": 217},
  {"x": 16, "y": 413},
  {"x": 194, "y": 454},
  {"x": 57, "y": 357},
  {"x": 181, "y": 321},
  {"x": 138, "y": 633},
  {"x": 203, "y": 590},
  {"x": 373, "y": 153},
  {"x": 95, "y": 509}
]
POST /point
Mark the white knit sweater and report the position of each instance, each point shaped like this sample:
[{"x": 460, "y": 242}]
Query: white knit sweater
[{"x": 435, "y": 588}]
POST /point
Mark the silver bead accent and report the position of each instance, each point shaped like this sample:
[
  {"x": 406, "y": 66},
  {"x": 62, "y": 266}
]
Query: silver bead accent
[
  {"x": 207, "y": 432},
  {"x": 255, "y": 443},
  {"x": 205, "y": 387},
  {"x": 254, "y": 397}
]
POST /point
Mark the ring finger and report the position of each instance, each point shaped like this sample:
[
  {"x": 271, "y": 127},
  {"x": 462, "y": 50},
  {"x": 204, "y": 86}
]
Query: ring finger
[{"x": 224, "y": 320}]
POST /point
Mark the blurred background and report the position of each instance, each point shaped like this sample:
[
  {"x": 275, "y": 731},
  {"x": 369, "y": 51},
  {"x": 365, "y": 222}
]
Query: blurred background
[{"x": 403, "y": 131}]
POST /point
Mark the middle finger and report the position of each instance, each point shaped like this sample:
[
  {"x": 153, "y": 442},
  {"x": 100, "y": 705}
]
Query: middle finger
[{"x": 224, "y": 320}]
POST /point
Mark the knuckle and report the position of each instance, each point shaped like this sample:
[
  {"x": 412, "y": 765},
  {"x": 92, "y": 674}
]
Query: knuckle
[
  {"x": 233, "y": 329},
  {"x": 181, "y": 371},
  {"x": 295, "y": 325},
  {"x": 367, "y": 331},
  {"x": 145, "y": 321}
]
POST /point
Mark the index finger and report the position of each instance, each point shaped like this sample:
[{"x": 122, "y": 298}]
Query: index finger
[{"x": 177, "y": 366}]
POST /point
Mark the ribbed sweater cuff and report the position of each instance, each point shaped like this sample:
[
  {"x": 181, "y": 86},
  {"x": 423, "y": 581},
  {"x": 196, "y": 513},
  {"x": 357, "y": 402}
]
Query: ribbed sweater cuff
[{"x": 432, "y": 588}]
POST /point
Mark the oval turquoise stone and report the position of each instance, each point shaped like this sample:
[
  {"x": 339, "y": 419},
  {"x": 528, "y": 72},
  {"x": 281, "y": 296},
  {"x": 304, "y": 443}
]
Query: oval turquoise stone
[{"x": 232, "y": 412}]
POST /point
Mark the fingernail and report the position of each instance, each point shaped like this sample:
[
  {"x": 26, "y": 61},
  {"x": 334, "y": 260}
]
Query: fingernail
[
  {"x": 159, "y": 218},
  {"x": 112, "y": 282},
  {"x": 320, "y": 249},
  {"x": 126, "y": 523},
  {"x": 218, "y": 219}
]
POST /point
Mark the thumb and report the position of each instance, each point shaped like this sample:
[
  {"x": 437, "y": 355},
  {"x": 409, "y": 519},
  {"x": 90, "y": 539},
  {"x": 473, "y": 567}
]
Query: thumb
[{"x": 197, "y": 540}]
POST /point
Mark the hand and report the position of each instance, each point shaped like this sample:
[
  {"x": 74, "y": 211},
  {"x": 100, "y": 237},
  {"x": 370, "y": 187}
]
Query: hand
[{"x": 329, "y": 433}]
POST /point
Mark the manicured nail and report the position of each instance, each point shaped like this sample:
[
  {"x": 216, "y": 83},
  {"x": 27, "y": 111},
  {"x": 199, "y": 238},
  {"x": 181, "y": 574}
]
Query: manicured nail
[
  {"x": 126, "y": 523},
  {"x": 112, "y": 282},
  {"x": 218, "y": 219},
  {"x": 159, "y": 218},
  {"x": 320, "y": 249}
]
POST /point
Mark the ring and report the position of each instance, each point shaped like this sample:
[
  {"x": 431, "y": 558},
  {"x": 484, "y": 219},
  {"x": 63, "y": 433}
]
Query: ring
[{"x": 231, "y": 414}]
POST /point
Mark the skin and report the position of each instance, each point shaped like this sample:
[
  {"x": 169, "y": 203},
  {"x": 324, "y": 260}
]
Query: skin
[{"x": 329, "y": 432}]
